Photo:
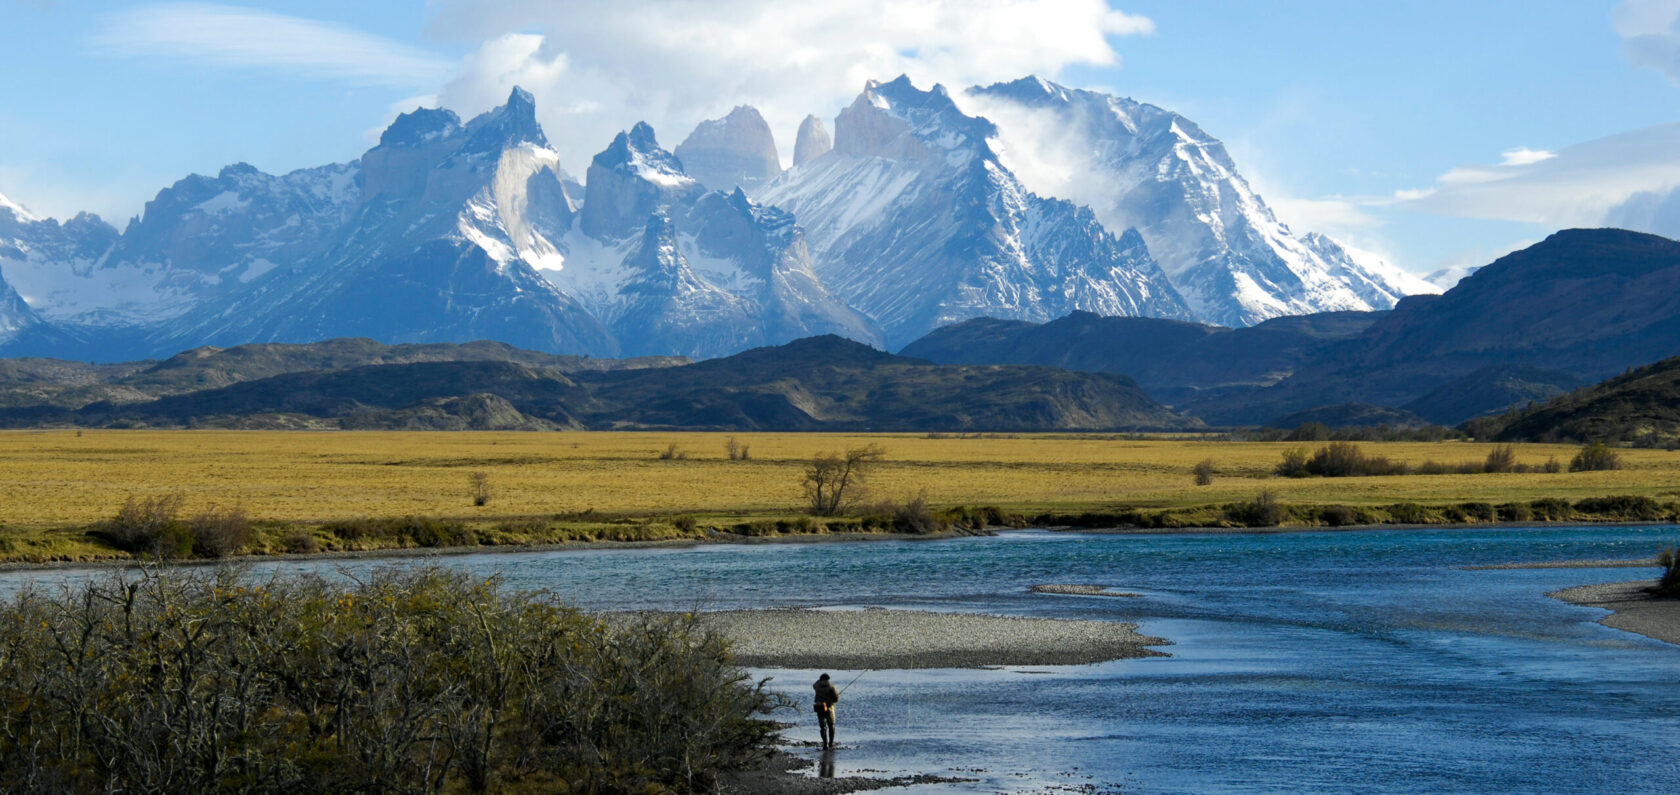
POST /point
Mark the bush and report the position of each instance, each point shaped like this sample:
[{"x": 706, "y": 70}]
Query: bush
[
  {"x": 736, "y": 450},
  {"x": 1345, "y": 459},
  {"x": 1502, "y": 458},
  {"x": 1294, "y": 463},
  {"x": 1338, "y": 516},
  {"x": 148, "y": 527},
  {"x": 685, "y": 524},
  {"x": 914, "y": 517},
  {"x": 1638, "y": 508},
  {"x": 300, "y": 542},
  {"x": 1475, "y": 512},
  {"x": 1669, "y": 560},
  {"x": 1552, "y": 509},
  {"x": 1516, "y": 512},
  {"x": 1262, "y": 511},
  {"x": 479, "y": 483},
  {"x": 414, "y": 681},
  {"x": 1595, "y": 457},
  {"x": 218, "y": 533},
  {"x": 1551, "y": 467},
  {"x": 1204, "y": 472},
  {"x": 673, "y": 454},
  {"x": 408, "y": 530},
  {"x": 1408, "y": 513}
]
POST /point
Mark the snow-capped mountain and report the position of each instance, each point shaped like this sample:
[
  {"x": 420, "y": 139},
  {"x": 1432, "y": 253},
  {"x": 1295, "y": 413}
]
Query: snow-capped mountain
[
  {"x": 451, "y": 221},
  {"x": 672, "y": 268},
  {"x": 1138, "y": 165},
  {"x": 737, "y": 150},
  {"x": 913, "y": 220}
]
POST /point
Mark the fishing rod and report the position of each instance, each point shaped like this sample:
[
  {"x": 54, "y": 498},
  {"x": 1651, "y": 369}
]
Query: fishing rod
[{"x": 853, "y": 682}]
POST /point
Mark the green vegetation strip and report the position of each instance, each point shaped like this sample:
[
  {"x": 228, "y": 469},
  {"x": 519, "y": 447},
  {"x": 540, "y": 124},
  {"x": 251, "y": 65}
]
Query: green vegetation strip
[{"x": 413, "y": 681}]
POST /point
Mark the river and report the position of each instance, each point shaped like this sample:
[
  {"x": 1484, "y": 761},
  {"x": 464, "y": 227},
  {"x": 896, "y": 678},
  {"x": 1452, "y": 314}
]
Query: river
[{"x": 1331, "y": 661}]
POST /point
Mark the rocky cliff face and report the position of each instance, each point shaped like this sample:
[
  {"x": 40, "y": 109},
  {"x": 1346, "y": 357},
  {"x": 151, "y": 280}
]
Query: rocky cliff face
[
  {"x": 443, "y": 247},
  {"x": 813, "y": 141},
  {"x": 709, "y": 273},
  {"x": 914, "y": 221},
  {"x": 737, "y": 150}
]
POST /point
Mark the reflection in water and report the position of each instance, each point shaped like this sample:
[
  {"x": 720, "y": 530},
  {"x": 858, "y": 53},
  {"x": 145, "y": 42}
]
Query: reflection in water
[{"x": 825, "y": 765}]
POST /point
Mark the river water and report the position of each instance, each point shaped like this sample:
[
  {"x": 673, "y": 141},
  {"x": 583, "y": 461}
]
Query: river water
[{"x": 1328, "y": 661}]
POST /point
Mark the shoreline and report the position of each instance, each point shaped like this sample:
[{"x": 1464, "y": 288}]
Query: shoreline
[{"x": 1633, "y": 608}]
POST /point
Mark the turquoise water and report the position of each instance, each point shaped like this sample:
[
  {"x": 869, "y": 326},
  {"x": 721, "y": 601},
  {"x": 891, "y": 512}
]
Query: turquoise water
[{"x": 1346, "y": 661}]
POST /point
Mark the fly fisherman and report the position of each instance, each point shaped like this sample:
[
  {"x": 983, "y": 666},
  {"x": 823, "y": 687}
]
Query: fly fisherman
[{"x": 824, "y": 707}]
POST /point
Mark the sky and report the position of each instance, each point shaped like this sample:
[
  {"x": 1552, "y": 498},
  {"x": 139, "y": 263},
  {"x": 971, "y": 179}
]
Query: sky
[{"x": 1435, "y": 134}]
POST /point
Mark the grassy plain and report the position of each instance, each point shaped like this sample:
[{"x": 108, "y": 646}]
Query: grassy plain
[{"x": 54, "y": 483}]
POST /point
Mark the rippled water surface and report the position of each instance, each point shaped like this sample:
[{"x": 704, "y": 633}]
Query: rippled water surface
[{"x": 1352, "y": 661}]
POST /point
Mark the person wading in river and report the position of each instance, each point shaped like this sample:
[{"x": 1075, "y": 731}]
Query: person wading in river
[{"x": 824, "y": 707}]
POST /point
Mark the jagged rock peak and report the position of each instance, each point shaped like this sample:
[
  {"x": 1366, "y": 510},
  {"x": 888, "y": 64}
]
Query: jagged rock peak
[
  {"x": 813, "y": 141},
  {"x": 17, "y": 210},
  {"x": 898, "y": 121},
  {"x": 629, "y": 180},
  {"x": 639, "y": 151},
  {"x": 737, "y": 150},
  {"x": 514, "y": 123},
  {"x": 420, "y": 126}
]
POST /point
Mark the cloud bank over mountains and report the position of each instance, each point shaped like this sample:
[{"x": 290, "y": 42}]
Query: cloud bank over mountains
[{"x": 598, "y": 66}]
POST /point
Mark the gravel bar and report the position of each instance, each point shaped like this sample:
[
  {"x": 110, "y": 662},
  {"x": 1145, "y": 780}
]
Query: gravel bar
[
  {"x": 1633, "y": 608},
  {"x": 880, "y": 639}
]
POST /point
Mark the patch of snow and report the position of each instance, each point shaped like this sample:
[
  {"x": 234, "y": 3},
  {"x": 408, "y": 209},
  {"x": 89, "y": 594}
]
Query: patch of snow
[
  {"x": 222, "y": 203},
  {"x": 18, "y": 210}
]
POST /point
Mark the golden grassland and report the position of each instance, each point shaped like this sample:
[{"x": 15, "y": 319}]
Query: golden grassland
[{"x": 57, "y": 482}]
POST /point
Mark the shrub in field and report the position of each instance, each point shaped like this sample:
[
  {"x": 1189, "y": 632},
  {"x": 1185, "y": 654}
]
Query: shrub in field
[
  {"x": 412, "y": 681},
  {"x": 1345, "y": 459},
  {"x": 1338, "y": 515},
  {"x": 1204, "y": 472},
  {"x": 671, "y": 453},
  {"x": 1475, "y": 512},
  {"x": 219, "y": 532},
  {"x": 1262, "y": 511},
  {"x": 1502, "y": 458},
  {"x": 1294, "y": 463},
  {"x": 914, "y": 516},
  {"x": 1595, "y": 457},
  {"x": 478, "y": 484},
  {"x": 1551, "y": 467},
  {"x": 736, "y": 450},
  {"x": 149, "y": 526}
]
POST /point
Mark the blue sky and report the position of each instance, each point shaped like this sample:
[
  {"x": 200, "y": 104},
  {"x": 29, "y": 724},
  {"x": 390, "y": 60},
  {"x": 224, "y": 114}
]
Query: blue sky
[{"x": 1433, "y": 133}]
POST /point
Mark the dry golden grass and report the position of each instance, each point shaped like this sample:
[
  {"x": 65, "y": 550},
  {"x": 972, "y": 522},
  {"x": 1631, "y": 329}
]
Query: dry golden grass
[{"x": 59, "y": 479}]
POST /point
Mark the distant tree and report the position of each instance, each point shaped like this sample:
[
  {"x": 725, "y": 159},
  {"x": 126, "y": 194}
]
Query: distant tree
[
  {"x": 1204, "y": 472},
  {"x": 479, "y": 482},
  {"x": 1309, "y": 432},
  {"x": 834, "y": 481},
  {"x": 736, "y": 450},
  {"x": 1595, "y": 457}
]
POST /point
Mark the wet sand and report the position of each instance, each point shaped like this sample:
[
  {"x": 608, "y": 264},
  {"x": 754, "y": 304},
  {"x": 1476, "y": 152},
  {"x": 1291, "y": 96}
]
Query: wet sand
[
  {"x": 1633, "y": 608},
  {"x": 880, "y": 639}
]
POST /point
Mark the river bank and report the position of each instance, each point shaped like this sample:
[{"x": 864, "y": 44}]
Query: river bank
[{"x": 1632, "y": 606}]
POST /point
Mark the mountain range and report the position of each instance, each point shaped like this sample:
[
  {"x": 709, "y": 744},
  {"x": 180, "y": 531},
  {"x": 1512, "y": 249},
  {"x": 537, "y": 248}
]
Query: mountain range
[
  {"x": 818, "y": 383},
  {"x": 908, "y": 218},
  {"x": 1580, "y": 306}
]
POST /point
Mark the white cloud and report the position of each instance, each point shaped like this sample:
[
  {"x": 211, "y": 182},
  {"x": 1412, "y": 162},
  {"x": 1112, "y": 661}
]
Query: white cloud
[
  {"x": 599, "y": 66},
  {"x": 1524, "y": 156},
  {"x": 227, "y": 36},
  {"x": 1576, "y": 186}
]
